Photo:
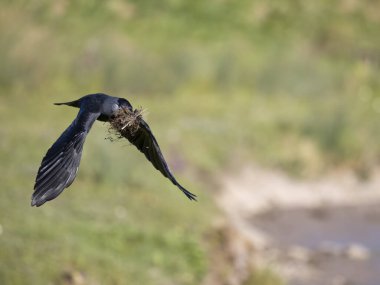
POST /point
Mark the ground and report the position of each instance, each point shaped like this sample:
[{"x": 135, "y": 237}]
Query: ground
[{"x": 324, "y": 231}]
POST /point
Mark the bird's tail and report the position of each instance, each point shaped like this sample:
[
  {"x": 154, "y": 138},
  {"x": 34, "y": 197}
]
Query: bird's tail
[{"x": 75, "y": 103}]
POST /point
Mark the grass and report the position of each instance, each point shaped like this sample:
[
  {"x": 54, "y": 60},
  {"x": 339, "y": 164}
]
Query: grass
[
  {"x": 263, "y": 277},
  {"x": 286, "y": 84},
  {"x": 112, "y": 225}
]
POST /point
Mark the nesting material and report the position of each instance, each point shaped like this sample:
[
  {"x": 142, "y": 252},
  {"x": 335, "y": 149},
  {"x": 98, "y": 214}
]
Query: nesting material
[{"x": 125, "y": 123}]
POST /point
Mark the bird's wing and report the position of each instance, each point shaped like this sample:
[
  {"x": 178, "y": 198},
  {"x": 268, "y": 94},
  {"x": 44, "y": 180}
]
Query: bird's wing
[
  {"x": 145, "y": 142},
  {"x": 60, "y": 164}
]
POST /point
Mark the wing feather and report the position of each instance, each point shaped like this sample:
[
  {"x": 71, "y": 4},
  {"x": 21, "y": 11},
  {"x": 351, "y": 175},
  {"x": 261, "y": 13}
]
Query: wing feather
[
  {"x": 60, "y": 165},
  {"x": 146, "y": 143}
]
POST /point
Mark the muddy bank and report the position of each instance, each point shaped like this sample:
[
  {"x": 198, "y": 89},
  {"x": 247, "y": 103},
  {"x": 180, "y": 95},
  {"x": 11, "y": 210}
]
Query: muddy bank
[{"x": 325, "y": 231}]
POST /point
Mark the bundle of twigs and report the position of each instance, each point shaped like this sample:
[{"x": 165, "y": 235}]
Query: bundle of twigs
[{"x": 125, "y": 123}]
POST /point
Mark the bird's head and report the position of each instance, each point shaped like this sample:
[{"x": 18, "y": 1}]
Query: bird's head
[
  {"x": 124, "y": 104},
  {"x": 115, "y": 106}
]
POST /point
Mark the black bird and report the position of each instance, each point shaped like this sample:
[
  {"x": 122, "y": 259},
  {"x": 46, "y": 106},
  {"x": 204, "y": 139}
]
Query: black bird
[{"x": 60, "y": 164}]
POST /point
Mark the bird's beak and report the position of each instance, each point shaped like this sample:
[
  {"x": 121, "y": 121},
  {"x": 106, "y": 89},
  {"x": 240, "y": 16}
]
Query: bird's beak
[{"x": 75, "y": 103}]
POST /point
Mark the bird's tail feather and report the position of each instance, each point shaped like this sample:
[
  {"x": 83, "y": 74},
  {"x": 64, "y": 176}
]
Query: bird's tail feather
[{"x": 75, "y": 103}]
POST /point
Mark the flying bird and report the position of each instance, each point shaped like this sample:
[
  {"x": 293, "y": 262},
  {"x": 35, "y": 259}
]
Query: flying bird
[{"x": 60, "y": 165}]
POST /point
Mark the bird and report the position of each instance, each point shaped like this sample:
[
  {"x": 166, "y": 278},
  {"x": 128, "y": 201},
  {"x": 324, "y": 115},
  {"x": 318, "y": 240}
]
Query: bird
[{"x": 60, "y": 165}]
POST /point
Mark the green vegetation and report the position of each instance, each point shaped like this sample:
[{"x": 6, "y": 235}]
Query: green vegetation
[
  {"x": 263, "y": 277},
  {"x": 289, "y": 84}
]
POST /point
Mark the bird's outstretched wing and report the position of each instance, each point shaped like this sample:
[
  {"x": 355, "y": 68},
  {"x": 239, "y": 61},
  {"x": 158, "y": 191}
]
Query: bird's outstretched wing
[
  {"x": 60, "y": 164},
  {"x": 145, "y": 142}
]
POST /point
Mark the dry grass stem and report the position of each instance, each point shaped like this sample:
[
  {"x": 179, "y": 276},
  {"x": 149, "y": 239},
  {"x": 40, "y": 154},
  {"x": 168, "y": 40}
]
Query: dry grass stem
[{"x": 124, "y": 123}]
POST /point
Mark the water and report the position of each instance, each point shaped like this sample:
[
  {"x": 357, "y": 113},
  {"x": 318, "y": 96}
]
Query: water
[{"x": 326, "y": 233}]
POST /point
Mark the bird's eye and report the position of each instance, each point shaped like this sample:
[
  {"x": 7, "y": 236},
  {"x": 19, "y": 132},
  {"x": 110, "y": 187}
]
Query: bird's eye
[{"x": 115, "y": 107}]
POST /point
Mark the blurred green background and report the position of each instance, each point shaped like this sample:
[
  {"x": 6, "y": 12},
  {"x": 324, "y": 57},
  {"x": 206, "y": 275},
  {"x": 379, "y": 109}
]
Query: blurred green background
[{"x": 284, "y": 84}]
